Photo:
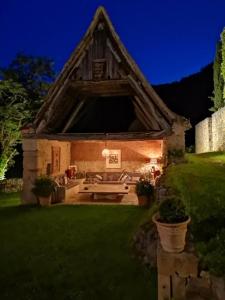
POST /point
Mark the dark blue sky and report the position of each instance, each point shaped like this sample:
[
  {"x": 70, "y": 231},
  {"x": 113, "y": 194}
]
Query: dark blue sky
[{"x": 169, "y": 39}]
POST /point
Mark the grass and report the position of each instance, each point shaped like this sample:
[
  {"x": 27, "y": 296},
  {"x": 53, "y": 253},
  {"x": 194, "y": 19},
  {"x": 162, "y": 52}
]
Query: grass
[
  {"x": 200, "y": 182},
  {"x": 9, "y": 199},
  {"x": 71, "y": 252}
]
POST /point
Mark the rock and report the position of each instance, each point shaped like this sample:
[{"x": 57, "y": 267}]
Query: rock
[{"x": 218, "y": 287}]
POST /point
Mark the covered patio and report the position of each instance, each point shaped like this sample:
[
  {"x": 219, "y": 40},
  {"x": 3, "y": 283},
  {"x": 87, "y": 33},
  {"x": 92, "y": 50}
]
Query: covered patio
[{"x": 82, "y": 163}]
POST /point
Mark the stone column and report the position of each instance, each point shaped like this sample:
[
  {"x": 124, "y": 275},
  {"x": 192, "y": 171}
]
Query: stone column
[
  {"x": 30, "y": 169},
  {"x": 174, "y": 269}
]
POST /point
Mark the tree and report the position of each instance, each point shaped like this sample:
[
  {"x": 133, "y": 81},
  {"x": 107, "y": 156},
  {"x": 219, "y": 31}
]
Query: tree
[
  {"x": 35, "y": 74},
  {"x": 218, "y": 80},
  {"x": 13, "y": 103},
  {"x": 223, "y": 61}
]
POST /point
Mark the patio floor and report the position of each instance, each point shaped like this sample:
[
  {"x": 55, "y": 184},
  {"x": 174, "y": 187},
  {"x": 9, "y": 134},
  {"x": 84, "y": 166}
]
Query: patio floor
[{"x": 128, "y": 199}]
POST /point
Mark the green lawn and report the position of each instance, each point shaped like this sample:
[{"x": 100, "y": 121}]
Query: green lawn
[
  {"x": 70, "y": 252},
  {"x": 201, "y": 184}
]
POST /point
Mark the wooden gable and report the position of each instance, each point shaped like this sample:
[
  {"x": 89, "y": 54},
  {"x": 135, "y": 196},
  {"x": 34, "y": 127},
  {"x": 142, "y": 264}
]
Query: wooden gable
[
  {"x": 101, "y": 68},
  {"x": 101, "y": 61}
]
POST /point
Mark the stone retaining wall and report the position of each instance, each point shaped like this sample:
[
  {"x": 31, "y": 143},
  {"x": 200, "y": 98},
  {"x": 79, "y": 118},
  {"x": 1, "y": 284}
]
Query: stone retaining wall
[
  {"x": 180, "y": 278},
  {"x": 11, "y": 185},
  {"x": 210, "y": 133}
]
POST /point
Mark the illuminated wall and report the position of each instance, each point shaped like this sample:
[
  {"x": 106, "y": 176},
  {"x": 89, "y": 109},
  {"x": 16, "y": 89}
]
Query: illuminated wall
[
  {"x": 210, "y": 133},
  {"x": 134, "y": 154}
]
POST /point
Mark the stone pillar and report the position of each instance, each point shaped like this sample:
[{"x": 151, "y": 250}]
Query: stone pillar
[
  {"x": 174, "y": 269},
  {"x": 176, "y": 141},
  {"x": 30, "y": 169}
]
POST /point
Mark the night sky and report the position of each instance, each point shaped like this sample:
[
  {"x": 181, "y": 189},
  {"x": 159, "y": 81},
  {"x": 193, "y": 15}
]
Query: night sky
[{"x": 169, "y": 39}]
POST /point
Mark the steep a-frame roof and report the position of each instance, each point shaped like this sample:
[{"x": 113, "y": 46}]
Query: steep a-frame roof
[{"x": 101, "y": 66}]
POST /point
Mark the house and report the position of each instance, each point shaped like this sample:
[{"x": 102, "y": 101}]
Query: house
[{"x": 101, "y": 114}]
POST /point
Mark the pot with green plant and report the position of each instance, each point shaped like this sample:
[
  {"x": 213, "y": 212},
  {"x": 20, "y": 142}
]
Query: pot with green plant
[
  {"x": 171, "y": 222},
  {"x": 145, "y": 191},
  {"x": 43, "y": 188}
]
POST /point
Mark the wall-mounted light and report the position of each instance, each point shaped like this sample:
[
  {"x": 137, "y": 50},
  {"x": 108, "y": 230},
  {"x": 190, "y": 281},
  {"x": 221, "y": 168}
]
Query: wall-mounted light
[{"x": 105, "y": 152}]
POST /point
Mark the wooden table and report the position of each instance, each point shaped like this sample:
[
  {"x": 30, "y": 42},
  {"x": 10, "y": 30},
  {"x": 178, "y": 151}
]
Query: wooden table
[{"x": 104, "y": 191}]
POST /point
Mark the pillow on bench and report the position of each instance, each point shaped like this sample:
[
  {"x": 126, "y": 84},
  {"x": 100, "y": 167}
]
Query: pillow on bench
[
  {"x": 122, "y": 174},
  {"x": 125, "y": 178},
  {"x": 99, "y": 177}
]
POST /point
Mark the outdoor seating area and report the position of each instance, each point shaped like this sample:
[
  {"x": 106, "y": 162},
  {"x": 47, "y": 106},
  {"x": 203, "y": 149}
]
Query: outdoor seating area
[
  {"x": 75, "y": 165},
  {"x": 119, "y": 188}
]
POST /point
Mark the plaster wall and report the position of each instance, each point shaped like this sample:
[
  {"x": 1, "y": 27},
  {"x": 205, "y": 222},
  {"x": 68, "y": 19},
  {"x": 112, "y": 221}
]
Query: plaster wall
[{"x": 88, "y": 155}]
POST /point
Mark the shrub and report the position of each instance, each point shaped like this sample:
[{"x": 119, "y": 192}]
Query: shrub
[
  {"x": 43, "y": 186},
  {"x": 172, "y": 210},
  {"x": 175, "y": 153},
  {"x": 212, "y": 254},
  {"x": 144, "y": 188}
]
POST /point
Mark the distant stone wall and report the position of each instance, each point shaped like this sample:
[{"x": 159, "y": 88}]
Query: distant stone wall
[
  {"x": 218, "y": 130},
  {"x": 210, "y": 133},
  {"x": 203, "y": 136}
]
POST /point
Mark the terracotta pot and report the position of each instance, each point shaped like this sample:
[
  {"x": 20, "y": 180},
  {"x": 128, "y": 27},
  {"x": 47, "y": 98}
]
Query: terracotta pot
[
  {"x": 44, "y": 201},
  {"x": 143, "y": 201},
  {"x": 172, "y": 236}
]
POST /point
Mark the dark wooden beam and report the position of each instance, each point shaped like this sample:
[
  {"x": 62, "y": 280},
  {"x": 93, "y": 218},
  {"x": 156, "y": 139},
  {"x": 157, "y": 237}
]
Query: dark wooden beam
[
  {"x": 146, "y": 104},
  {"x": 141, "y": 117},
  {"x": 153, "y": 124},
  {"x": 73, "y": 116},
  {"x": 121, "y": 136},
  {"x": 105, "y": 88}
]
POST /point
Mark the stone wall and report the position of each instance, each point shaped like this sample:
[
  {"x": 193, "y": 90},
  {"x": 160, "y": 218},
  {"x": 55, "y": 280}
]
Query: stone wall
[
  {"x": 180, "y": 278},
  {"x": 203, "y": 136},
  {"x": 210, "y": 133},
  {"x": 218, "y": 130},
  {"x": 176, "y": 141},
  {"x": 134, "y": 154},
  {"x": 45, "y": 155},
  {"x": 11, "y": 185},
  {"x": 37, "y": 156}
]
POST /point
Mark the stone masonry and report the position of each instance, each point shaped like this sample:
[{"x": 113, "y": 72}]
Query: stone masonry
[
  {"x": 210, "y": 133},
  {"x": 36, "y": 157}
]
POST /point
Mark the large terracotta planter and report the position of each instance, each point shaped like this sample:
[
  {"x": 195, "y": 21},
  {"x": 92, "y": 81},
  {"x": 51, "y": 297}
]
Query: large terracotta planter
[
  {"x": 44, "y": 201},
  {"x": 172, "y": 236},
  {"x": 144, "y": 201}
]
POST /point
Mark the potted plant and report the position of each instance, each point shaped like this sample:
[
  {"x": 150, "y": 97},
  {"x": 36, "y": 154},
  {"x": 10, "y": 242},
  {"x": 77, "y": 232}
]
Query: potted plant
[
  {"x": 171, "y": 222},
  {"x": 144, "y": 191},
  {"x": 43, "y": 188}
]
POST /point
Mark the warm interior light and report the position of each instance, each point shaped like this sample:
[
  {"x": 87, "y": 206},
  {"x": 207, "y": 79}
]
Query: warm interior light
[
  {"x": 105, "y": 152},
  {"x": 153, "y": 161}
]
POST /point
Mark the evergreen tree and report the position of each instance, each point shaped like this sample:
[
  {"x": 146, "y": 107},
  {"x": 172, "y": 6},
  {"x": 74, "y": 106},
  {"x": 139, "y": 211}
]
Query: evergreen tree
[
  {"x": 223, "y": 62},
  {"x": 217, "y": 97}
]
